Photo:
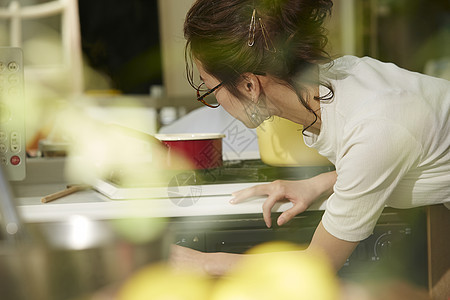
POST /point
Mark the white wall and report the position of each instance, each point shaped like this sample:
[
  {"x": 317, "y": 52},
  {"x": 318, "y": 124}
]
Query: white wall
[{"x": 171, "y": 15}]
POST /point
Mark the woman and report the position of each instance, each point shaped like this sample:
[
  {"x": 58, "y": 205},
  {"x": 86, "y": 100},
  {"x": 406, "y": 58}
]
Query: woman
[{"x": 384, "y": 128}]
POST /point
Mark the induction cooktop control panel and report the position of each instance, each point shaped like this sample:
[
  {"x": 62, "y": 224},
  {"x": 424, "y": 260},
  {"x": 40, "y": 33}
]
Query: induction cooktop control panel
[{"x": 12, "y": 113}]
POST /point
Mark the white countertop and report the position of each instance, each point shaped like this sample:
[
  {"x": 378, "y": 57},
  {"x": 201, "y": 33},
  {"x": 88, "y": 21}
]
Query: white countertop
[
  {"x": 95, "y": 205},
  {"x": 44, "y": 177}
]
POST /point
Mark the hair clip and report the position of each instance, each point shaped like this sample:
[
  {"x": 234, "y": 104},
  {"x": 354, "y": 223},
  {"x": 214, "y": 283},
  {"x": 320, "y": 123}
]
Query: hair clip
[
  {"x": 266, "y": 37},
  {"x": 252, "y": 29}
]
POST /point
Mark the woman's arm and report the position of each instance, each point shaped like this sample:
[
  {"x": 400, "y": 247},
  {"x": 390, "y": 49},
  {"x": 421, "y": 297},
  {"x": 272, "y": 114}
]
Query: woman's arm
[
  {"x": 301, "y": 193},
  {"x": 337, "y": 250},
  {"x": 216, "y": 264}
]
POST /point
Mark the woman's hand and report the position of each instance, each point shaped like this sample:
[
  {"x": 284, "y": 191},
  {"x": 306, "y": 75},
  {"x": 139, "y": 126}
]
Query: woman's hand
[
  {"x": 298, "y": 192},
  {"x": 214, "y": 264},
  {"x": 301, "y": 194}
]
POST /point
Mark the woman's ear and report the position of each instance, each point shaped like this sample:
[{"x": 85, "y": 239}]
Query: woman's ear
[{"x": 250, "y": 86}]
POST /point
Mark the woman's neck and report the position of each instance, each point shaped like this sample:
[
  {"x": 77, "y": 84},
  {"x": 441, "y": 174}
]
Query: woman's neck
[{"x": 284, "y": 102}]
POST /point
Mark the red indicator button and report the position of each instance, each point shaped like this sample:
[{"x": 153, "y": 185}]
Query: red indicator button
[{"x": 15, "y": 160}]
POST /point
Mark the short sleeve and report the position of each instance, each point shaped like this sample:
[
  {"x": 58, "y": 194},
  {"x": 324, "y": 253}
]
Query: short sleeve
[{"x": 372, "y": 159}]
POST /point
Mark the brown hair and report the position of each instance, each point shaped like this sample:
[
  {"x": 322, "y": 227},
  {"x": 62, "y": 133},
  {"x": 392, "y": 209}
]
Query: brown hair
[{"x": 217, "y": 34}]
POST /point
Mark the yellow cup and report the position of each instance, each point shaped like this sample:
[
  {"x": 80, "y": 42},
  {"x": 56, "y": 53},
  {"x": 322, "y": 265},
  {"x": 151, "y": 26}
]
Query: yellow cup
[{"x": 281, "y": 144}]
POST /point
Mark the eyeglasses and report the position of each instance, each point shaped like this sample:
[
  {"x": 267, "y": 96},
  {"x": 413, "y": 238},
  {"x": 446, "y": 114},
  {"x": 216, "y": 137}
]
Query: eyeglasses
[{"x": 201, "y": 98}]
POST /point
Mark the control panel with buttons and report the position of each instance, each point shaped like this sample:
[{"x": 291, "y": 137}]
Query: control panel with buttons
[{"x": 12, "y": 113}]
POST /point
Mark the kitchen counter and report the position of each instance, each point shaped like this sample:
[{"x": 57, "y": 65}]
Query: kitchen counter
[
  {"x": 95, "y": 205},
  {"x": 46, "y": 176}
]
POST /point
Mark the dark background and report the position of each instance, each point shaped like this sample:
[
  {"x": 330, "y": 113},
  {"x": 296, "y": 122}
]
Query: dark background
[
  {"x": 408, "y": 33},
  {"x": 121, "y": 40}
]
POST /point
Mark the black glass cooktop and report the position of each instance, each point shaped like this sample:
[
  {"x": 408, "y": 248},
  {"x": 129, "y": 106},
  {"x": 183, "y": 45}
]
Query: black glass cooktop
[
  {"x": 237, "y": 171},
  {"x": 256, "y": 171}
]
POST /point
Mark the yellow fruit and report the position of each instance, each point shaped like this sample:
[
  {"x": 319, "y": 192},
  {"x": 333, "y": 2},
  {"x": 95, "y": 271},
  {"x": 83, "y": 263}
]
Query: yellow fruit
[
  {"x": 160, "y": 282},
  {"x": 279, "y": 270}
]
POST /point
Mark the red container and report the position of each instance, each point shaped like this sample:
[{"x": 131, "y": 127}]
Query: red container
[{"x": 202, "y": 150}]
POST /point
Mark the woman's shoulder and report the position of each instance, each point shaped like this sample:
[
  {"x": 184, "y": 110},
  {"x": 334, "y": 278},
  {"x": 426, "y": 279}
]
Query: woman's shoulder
[
  {"x": 351, "y": 63},
  {"x": 370, "y": 76},
  {"x": 369, "y": 66},
  {"x": 347, "y": 65}
]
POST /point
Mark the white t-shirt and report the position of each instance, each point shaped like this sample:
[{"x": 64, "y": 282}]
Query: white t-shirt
[{"x": 387, "y": 132}]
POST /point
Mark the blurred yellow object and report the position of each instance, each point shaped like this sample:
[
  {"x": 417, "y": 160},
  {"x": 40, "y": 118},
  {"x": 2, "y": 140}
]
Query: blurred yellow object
[
  {"x": 160, "y": 282},
  {"x": 281, "y": 144},
  {"x": 276, "y": 246},
  {"x": 285, "y": 274}
]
